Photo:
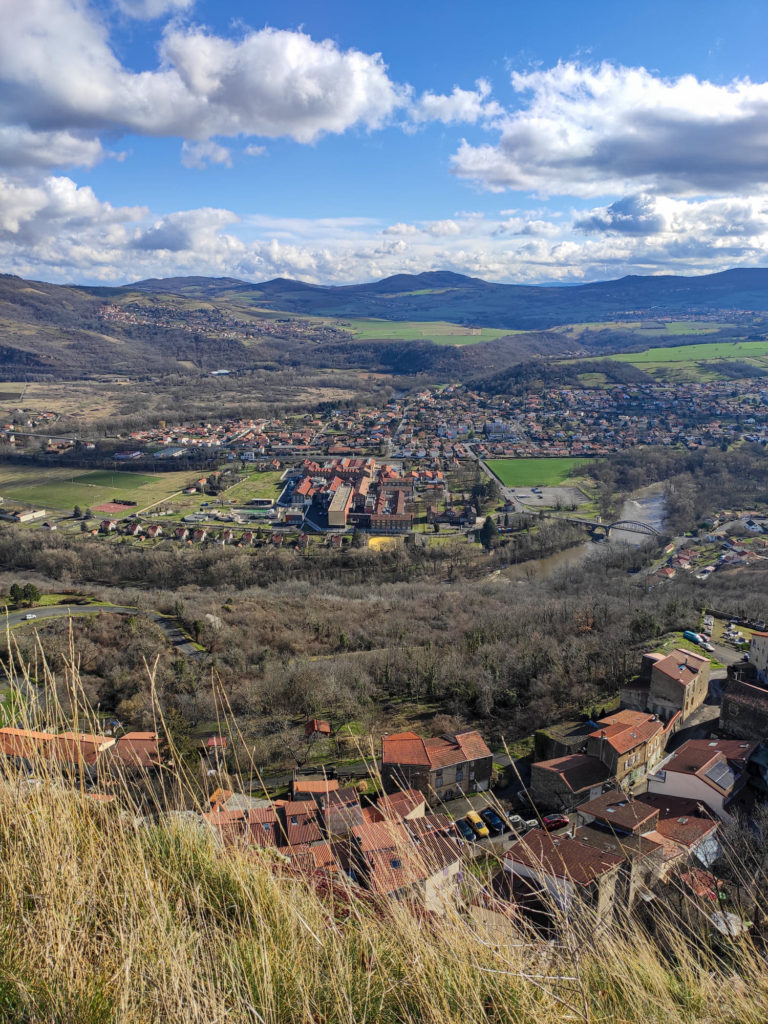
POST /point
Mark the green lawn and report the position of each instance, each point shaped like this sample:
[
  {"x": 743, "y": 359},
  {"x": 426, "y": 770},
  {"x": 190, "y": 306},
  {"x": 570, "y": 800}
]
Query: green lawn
[
  {"x": 61, "y": 489},
  {"x": 739, "y": 351},
  {"x": 532, "y": 472},
  {"x": 439, "y": 331},
  {"x": 256, "y": 485}
]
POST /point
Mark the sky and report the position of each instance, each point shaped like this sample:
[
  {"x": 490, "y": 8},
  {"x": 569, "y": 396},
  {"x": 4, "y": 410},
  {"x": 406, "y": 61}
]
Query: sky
[{"x": 524, "y": 141}]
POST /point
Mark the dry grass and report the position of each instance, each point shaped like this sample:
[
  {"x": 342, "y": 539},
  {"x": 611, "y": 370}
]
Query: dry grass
[{"x": 108, "y": 918}]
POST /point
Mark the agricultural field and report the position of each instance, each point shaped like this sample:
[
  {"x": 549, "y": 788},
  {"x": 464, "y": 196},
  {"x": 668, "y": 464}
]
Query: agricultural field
[
  {"x": 647, "y": 328},
  {"x": 706, "y": 351},
  {"x": 61, "y": 489},
  {"x": 697, "y": 362},
  {"x": 441, "y": 332},
  {"x": 533, "y": 472}
]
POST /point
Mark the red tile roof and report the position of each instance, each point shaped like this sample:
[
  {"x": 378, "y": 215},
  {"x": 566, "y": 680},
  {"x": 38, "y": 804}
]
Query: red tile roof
[
  {"x": 399, "y": 805},
  {"x": 562, "y": 858},
  {"x": 384, "y": 835},
  {"x": 65, "y": 747},
  {"x": 578, "y": 771},
  {"x": 619, "y": 811},
  {"x": 409, "y": 749},
  {"x": 682, "y": 665},
  {"x": 137, "y": 750}
]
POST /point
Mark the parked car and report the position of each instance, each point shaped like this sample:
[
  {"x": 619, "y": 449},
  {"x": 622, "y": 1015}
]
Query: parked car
[
  {"x": 553, "y": 821},
  {"x": 516, "y": 822},
  {"x": 477, "y": 825},
  {"x": 690, "y": 635},
  {"x": 707, "y": 637},
  {"x": 493, "y": 821},
  {"x": 708, "y": 647},
  {"x": 30, "y": 615},
  {"x": 531, "y": 823},
  {"x": 465, "y": 831}
]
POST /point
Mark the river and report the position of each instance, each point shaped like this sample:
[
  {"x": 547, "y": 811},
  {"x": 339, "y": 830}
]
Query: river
[{"x": 644, "y": 506}]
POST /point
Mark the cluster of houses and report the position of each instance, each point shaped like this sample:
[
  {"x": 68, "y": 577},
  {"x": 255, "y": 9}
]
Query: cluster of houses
[
  {"x": 732, "y": 539},
  {"x": 637, "y": 812}
]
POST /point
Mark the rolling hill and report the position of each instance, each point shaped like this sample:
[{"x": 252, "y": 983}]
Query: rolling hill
[{"x": 442, "y": 295}]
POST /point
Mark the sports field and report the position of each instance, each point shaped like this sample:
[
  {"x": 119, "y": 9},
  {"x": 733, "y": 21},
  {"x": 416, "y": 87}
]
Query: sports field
[
  {"x": 61, "y": 489},
  {"x": 532, "y": 472},
  {"x": 441, "y": 332}
]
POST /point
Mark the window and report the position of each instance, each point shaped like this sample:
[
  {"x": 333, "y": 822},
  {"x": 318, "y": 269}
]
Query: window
[
  {"x": 438, "y": 778},
  {"x": 266, "y": 826},
  {"x": 294, "y": 820},
  {"x": 459, "y": 774}
]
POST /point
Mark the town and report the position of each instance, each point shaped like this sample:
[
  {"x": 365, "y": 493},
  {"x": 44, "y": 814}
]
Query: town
[
  {"x": 610, "y": 816},
  {"x": 451, "y": 422}
]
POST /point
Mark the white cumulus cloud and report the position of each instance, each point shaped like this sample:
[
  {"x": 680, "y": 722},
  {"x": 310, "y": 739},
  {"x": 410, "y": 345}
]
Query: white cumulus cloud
[{"x": 588, "y": 131}]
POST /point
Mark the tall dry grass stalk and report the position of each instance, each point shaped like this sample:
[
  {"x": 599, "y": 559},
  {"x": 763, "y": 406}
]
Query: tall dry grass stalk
[{"x": 107, "y": 918}]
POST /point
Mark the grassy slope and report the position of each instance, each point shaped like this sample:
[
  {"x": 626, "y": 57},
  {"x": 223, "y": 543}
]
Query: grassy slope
[
  {"x": 107, "y": 918},
  {"x": 105, "y": 923}
]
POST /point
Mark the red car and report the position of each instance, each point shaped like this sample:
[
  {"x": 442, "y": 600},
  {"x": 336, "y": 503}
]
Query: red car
[{"x": 554, "y": 821}]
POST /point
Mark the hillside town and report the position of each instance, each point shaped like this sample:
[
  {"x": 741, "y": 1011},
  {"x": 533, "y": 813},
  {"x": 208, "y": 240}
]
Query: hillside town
[{"x": 610, "y": 815}]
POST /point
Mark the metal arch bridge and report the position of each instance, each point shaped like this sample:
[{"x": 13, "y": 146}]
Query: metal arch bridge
[{"x": 629, "y": 526}]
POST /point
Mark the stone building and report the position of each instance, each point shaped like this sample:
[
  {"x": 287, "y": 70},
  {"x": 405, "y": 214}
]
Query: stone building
[
  {"x": 744, "y": 711},
  {"x": 441, "y": 768}
]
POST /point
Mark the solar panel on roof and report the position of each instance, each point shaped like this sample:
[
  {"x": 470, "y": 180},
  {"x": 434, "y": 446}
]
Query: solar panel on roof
[{"x": 722, "y": 776}]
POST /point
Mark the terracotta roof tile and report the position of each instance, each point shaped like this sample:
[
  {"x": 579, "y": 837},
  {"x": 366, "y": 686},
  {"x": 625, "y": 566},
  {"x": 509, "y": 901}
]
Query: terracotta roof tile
[{"x": 562, "y": 858}]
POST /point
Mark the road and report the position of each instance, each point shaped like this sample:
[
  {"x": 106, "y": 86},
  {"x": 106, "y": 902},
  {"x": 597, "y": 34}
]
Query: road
[{"x": 173, "y": 632}]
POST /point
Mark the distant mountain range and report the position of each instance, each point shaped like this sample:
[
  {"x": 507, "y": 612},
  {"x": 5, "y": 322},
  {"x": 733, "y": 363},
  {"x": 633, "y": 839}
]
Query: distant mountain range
[
  {"x": 442, "y": 295},
  {"x": 175, "y": 324}
]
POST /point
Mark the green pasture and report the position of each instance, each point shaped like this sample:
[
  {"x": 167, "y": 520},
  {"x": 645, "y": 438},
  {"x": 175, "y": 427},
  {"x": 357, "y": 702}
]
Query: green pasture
[
  {"x": 61, "y": 489},
  {"x": 647, "y": 328},
  {"x": 533, "y": 472},
  {"x": 706, "y": 351},
  {"x": 439, "y": 331}
]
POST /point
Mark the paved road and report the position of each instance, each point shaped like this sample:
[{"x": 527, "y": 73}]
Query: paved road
[{"x": 173, "y": 632}]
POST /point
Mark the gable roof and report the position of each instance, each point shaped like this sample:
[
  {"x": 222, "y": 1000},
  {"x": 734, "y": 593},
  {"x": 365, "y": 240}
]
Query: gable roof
[
  {"x": 681, "y": 665},
  {"x": 137, "y": 750},
  {"x": 439, "y": 752},
  {"x": 617, "y": 810},
  {"x": 627, "y": 729},
  {"x": 65, "y": 747},
  {"x": 578, "y": 771},
  {"x": 570, "y": 859}
]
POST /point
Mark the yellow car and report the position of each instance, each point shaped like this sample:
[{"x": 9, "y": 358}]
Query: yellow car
[{"x": 477, "y": 824}]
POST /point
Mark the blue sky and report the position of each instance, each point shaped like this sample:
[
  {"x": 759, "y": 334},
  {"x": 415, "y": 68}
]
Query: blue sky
[{"x": 339, "y": 142}]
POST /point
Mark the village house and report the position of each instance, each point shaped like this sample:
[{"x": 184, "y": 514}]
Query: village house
[
  {"x": 712, "y": 772},
  {"x": 669, "y": 684},
  {"x": 686, "y": 830},
  {"x": 441, "y": 767},
  {"x": 577, "y": 876},
  {"x": 80, "y": 752},
  {"x": 562, "y": 783},
  {"x": 136, "y": 751},
  {"x": 629, "y": 743}
]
